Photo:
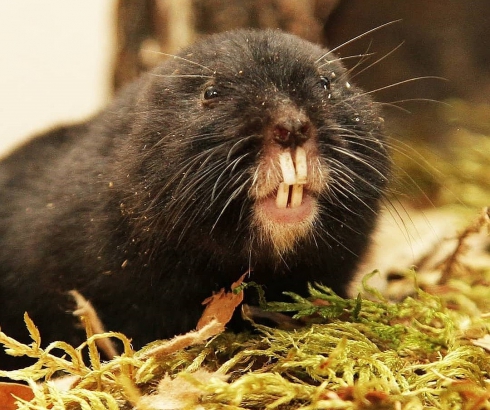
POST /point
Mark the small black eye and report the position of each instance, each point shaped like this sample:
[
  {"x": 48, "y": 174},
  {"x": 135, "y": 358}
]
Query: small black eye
[
  {"x": 325, "y": 83},
  {"x": 210, "y": 93}
]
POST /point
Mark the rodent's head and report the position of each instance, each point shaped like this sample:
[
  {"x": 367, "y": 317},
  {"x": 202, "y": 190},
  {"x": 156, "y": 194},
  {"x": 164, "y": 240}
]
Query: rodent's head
[{"x": 257, "y": 138}]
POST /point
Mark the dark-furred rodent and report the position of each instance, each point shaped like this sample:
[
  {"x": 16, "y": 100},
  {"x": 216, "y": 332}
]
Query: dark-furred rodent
[{"x": 169, "y": 194}]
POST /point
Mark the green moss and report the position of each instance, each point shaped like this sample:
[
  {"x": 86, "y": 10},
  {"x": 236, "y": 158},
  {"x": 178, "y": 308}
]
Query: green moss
[{"x": 364, "y": 354}]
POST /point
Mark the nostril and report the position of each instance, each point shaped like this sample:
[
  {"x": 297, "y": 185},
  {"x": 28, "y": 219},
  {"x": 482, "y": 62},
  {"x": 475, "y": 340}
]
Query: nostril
[
  {"x": 291, "y": 131},
  {"x": 305, "y": 128},
  {"x": 282, "y": 134}
]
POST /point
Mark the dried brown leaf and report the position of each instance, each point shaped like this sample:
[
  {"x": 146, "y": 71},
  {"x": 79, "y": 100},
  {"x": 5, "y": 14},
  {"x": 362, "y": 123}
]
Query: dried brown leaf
[{"x": 221, "y": 305}]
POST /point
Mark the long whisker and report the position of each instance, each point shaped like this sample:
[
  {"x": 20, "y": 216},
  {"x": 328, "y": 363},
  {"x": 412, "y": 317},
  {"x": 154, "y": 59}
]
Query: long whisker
[
  {"x": 233, "y": 195},
  {"x": 333, "y": 50},
  {"x": 342, "y": 59},
  {"x": 359, "y": 63},
  {"x": 377, "y": 61},
  {"x": 410, "y": 80},
  {"x": 183, "y": 59},
  {"x": 231, "y": 166},
  {"x": 418, "y": 100},
  {"x": 181, "y": 75}
]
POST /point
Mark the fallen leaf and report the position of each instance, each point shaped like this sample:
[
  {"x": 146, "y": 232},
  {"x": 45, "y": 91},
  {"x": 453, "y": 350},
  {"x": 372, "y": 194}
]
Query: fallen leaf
[
  {"x": 483, "y": 342},
  {"x": 9, "y": 392},
  {"x": 221, "y": 305}
]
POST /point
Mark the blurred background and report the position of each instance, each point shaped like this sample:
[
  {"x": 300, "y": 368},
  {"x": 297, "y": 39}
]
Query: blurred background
[
  {"x": 62, "y": 61},
  {"x": 56, "y": 62}
]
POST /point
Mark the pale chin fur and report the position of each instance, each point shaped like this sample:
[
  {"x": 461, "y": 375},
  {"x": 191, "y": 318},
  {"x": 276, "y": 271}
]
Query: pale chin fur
[{"x": 283, "y": 237}]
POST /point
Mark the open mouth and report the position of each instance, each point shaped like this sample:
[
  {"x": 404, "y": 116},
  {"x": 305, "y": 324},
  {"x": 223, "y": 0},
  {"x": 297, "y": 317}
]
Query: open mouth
[
  {"x": 287, "y": 215},
  {"x": 292, "y": 203}
]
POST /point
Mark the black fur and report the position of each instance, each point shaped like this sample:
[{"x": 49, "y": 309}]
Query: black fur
[{"x": 140, "y": 211}]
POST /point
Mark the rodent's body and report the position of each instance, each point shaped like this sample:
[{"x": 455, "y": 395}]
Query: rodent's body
[{"x": 169, "y": 193}]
